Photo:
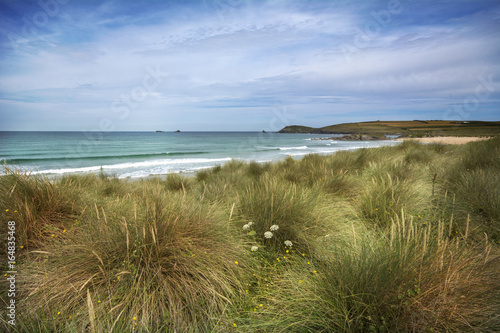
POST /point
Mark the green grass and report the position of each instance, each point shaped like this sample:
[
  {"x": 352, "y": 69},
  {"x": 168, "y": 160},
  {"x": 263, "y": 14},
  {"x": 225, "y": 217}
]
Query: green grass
[
  {"x": 415, "y": 128},
  {"x": 391, "y": 239}
]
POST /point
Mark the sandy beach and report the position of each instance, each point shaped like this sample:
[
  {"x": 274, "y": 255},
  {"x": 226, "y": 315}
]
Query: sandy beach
[{"x": 453, "y": 140}]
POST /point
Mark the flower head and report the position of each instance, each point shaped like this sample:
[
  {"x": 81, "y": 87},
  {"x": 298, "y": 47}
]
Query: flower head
[
  {"x": 254, "y": 248},
  {"x": 274, "y": 227},
  {"x": 250, "y": 223},
  {"x": 268, "y": 234},
  {"x": 288, "y": 243},
  {"x": 246, "y": 227}
]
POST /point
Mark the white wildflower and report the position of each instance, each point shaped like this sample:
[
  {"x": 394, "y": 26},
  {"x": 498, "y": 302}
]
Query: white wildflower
[
  {"x": 274, "y": 227},
  {"x": 254, "y": 248},
  {"x": 246, "y": 227},
  {"x": 268, "y": 234},
  {"x": 250, "y": 224},
  {"x": 288, "y": 243}
]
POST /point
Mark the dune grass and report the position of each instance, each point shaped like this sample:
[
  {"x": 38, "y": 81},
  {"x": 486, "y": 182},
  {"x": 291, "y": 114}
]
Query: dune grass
[{"x": 391, "y": 239}]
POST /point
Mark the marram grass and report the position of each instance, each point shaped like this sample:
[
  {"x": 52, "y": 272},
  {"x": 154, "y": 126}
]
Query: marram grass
[{"x": 392, "y": 239}]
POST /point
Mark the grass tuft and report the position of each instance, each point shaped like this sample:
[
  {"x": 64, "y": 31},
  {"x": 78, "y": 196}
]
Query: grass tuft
[{"x": 39, "y": 208}]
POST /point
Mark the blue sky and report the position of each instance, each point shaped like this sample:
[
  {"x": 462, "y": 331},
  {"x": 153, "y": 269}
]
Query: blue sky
[{"x": 245, "y": 64}]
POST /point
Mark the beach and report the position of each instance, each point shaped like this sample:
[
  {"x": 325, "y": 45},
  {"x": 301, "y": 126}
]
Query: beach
[{"x": 450, "y": 140}]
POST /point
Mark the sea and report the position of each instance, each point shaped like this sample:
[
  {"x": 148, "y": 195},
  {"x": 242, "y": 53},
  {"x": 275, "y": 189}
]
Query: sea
[{"x": 142, "y": 154}]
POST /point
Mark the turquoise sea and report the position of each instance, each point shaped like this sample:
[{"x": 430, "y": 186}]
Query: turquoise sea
[{"x": 140, "y": 154}]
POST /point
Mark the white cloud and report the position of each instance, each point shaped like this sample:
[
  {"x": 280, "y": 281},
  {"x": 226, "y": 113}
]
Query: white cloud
[{"x": 252, "y": 56}]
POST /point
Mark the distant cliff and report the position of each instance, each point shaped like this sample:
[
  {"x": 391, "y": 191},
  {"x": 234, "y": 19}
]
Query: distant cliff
[
  {"x": 414, "y": 128},
  {"x": 357, "y": 137},
  {"x": 297, "y": 129}
]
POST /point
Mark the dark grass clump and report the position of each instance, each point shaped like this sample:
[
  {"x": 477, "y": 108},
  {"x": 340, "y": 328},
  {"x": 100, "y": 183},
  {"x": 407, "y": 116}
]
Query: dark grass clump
[
  {"x": 472, "y": 185},
  {"x": 255, "y": 169},
  {"x": 39, "y": 207},
  {"x": 168, "y": 262},
  {"x": 386, "y": 198},
  {"x": 176, "y": 182}
]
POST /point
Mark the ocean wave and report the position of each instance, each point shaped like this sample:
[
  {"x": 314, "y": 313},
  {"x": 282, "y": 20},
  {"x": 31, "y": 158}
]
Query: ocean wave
[
  {"x": 96, "y": 157},
  {"x": 321, "y": 151},
  {"x": 297, "y": 154},
  {"x": 260, "y": 149},
  {"x": 333, "y": 150},
  {"x": 133, "y": 165},
  {"x": 293, "y": 148}
]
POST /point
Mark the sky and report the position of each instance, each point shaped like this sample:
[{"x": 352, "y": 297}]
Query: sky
[{"x": 245, "y": 65}]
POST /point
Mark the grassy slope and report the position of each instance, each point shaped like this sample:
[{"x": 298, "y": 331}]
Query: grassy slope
[
  {"x": 401, "y": 238},
  {"x": 409, "y": 128}
]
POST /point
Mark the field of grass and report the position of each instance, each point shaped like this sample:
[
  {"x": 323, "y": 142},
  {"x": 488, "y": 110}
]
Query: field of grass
[
  {"x": 415, "y": 128},
  {"x": 393, "y": 239}
]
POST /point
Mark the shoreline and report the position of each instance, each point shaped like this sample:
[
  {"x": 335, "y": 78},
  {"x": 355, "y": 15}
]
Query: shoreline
[{"x": 450, "y": 140}]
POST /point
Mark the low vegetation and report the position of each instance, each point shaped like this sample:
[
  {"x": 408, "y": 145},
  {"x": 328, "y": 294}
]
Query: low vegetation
[
  {"x": 392, "y": 239},
  {"x": 415, "y": 128}
]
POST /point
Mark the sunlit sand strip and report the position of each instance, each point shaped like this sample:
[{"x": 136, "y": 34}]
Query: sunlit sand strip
[{"x": 453, "y": 140}]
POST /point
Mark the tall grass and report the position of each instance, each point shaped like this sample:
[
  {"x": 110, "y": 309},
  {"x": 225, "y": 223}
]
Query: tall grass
[
  {"x": 39, "y": 208},
  {"x": 413, "y": 279},
  {"x": 473, "y": 181},
  {"x": 168, "y": 261},
  {"x": 386, "y": 198},
  {"x": 271, "y": 202}
]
